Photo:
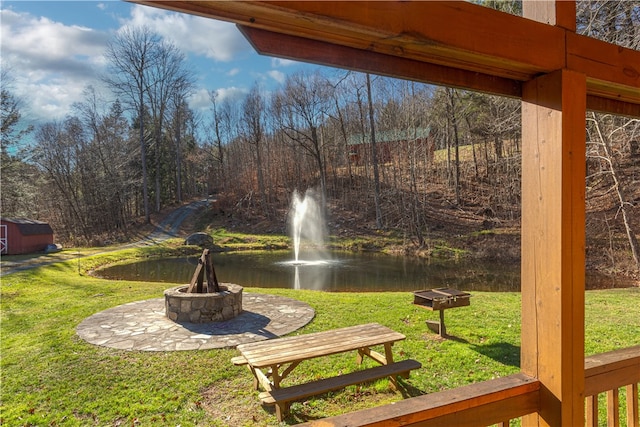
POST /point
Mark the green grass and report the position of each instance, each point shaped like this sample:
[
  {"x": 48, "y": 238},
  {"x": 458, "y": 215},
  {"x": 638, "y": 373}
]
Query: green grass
[
  {"x": 50, "y": 377},
  {"x": 242, "y": 241}
]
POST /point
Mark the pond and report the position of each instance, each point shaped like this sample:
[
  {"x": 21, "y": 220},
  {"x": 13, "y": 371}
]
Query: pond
[{"x": 342, "y": 272}]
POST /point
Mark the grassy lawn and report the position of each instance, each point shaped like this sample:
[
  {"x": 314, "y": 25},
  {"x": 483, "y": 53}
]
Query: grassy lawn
[{"x": 50, "y": 377}]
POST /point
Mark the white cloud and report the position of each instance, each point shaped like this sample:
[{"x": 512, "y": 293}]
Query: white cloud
[
  {"x": 193, "y": 34},
  {"x": 231, "y": 93},
  {"x": 276, "y": 75},
  {"x": 281, "y": 62},
  {"x": 51, "y": 63},
  {"x": 200, "y": 100}
]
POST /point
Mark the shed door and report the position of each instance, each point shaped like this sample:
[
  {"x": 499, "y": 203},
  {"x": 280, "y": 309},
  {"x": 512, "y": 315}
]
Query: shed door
[{"x": 3, "y": 239}]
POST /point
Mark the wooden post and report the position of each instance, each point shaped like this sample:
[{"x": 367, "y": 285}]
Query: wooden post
[
  {"x": 205, "y": 265},
  {"x": 212, "y": 280},
  {"x": 632, "y": 405},
  {"x": 553, "y": 244},
  {"x": 200, "y": 281},
  {"x": 558, "y": 13},
  {"x": 195, "y": 286},
  {"x": 443, "y": 329},
  {"x": 592, "y": 411}
]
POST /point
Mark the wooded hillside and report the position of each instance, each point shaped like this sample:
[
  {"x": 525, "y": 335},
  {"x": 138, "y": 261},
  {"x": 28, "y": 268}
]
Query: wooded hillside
[{"x": 382, "y": 154}]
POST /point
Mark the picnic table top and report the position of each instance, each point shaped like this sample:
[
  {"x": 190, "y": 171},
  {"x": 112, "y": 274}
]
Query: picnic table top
[{"x": 301, "y": 347}]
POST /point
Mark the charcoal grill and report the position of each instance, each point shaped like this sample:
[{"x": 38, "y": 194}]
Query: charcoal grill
[{"x": 440, "y": 299}]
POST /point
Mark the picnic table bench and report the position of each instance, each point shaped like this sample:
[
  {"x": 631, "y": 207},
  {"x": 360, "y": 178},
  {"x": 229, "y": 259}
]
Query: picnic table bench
[{"x": 273, "y": 360}]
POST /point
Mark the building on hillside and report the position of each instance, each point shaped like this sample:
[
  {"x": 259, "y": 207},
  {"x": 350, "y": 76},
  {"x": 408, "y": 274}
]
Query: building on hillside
[
  {"x": 23, "y": 236},
  {"x": 390, "y": 144}
]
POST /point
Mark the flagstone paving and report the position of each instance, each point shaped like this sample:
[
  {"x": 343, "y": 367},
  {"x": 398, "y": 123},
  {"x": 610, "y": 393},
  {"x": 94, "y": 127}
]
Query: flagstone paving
[{"x": 143, "y": 326}]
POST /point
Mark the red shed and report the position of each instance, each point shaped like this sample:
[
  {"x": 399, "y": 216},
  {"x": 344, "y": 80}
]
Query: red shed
[{"x": 23, "y": 236}]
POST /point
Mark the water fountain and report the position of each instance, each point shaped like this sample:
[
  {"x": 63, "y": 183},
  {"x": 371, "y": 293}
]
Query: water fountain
[{"x": 308, "y": 224}]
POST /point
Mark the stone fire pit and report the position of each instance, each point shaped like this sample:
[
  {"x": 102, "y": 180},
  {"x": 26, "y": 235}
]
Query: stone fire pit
[
  {"x": 182, "y": 306},
  {"x": 198, "y": 302}
]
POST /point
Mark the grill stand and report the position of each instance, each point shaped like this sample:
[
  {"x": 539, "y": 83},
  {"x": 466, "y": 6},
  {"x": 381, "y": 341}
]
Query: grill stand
[
  {"x": 440, "y": 299},
  {"x": 438, "y": 327}
]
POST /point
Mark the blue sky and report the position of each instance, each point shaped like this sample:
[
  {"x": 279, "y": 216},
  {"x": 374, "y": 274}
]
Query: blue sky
[{"x": 53, "y": 50}]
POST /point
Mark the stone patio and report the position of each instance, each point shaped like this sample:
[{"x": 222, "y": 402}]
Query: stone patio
[{"x": 143, "y": 326}]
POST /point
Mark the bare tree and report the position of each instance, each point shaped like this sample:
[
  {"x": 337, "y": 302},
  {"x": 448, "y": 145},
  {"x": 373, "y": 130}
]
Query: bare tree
[
  {"x": 181, "y": 115},
  {"x": 11, "y": 131},
  {"x": 217, "y": 141},
  {"x": 19, "y": 188},
  {"x": 168, "y": 82},
  {"x": 452, "y": 117},
  {"x": 57, "y": 153},
  {"x": 131, "y": 55},
  {"x": 610, "y": 20},
  {"x": 253, "y": 110},
  {"x": 304, "y": 104},
  {"x": 374, "y": 156},
  {"x": 616, "y": 22},
  {"x": 601, "y": 132}
]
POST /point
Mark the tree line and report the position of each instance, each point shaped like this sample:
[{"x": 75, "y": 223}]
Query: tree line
[{"x": 391, "y": 152}]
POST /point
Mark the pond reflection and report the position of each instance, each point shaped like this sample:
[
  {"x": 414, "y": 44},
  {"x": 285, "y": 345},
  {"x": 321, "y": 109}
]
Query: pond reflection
[{"x": 342, "y": 272}]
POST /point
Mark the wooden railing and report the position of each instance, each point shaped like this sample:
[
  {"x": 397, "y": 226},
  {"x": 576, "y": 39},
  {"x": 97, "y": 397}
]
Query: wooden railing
[
  {"x": 494, "y": 402},
  {"x": 497, "y": 402},
  {"x": 608, "y": 373}
]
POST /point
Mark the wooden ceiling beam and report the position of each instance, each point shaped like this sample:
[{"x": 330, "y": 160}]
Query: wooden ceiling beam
[
  {"x": 297, "y": 48},
  {"x": 612, "y": 106},
  {"x": 612, "y": 71},
  {"x": 433, "y": 31},
  {"x": 479, "y": 43}
]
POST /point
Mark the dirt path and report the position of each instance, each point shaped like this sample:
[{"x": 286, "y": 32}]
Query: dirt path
[
  {"x": 170, "y": 225},
  {"x": 168, "y": 228}
]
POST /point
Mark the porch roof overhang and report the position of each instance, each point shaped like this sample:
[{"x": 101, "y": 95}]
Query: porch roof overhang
[
  {"x": 457, "y": 44},
  {"x": 556, "y": 72}
]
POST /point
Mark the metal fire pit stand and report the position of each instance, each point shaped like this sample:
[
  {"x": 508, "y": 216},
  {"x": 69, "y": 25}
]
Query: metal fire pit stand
[{"x": 440, "y": 299}]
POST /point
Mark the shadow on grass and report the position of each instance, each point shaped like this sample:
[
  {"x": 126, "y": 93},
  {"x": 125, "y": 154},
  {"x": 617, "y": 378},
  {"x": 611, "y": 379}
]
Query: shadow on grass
[
  {"x": 408, "y": 390},
  {"x": 296, "y": 414},
  {"x": 502, "y": 352}
]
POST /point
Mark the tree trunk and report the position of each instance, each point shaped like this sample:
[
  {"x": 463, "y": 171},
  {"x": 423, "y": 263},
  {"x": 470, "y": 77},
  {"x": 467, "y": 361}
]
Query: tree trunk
[
  {"x": 143, "y": 159},
  {"x": 454, "y": 123},
  {"x": 374, "y": 158},
  {"x": 178, "y": 156}
]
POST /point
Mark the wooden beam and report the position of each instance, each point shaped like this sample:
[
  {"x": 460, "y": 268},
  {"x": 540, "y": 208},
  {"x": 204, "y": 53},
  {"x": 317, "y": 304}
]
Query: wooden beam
[
  {"x": 433, "y": 31},
  {"x": 559, "y": 13},
  {"x": 484, "y": 403},
  {"x": 553, "y": 243},
  {"x": 609, "y": 370},
  {"x": 297, "y": 48},
  {"x": 608, "y": 105},
  {"x": 313, "y": 51},
  {"x": 612, "y": 71},
  {"x": 452, "y": 34}
]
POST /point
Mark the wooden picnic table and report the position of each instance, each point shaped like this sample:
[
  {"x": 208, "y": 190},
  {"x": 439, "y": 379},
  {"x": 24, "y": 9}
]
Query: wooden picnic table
[{"x": 271, "y": 361}]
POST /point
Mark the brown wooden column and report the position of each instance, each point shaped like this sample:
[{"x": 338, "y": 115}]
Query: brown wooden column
[
  {"x": 558, "y": 13},
  {"x": 553, "y": 243}
]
